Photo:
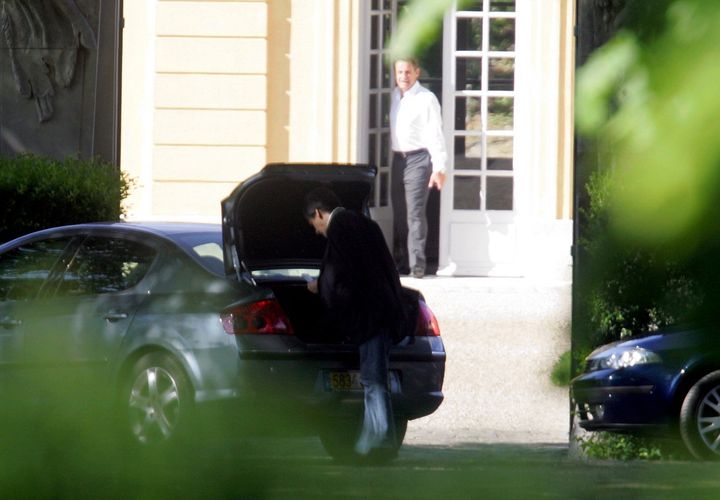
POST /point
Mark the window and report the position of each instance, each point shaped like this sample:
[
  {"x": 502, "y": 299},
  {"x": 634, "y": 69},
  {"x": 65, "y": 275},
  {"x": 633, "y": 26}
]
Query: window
[
  {"x": 106, "y": 265},
  {"x": 483, "y": 137},
  {"x": 25, "y": 269},
  {"x": 382, "y": 20}
]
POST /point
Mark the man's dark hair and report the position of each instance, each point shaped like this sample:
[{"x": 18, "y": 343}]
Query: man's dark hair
[{"x": 320, "y": 198}]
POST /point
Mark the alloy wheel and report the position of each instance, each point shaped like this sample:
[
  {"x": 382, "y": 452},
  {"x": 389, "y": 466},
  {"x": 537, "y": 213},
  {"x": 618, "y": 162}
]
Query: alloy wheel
[
  {"x": 708, "y": 420},
  {"x": 154, "y": 405}
]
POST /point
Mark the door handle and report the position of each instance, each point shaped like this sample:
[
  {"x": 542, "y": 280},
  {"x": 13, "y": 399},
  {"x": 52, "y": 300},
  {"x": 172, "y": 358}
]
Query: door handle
[
  {"x": 8, "y": 323},
  {"x": 112, "y": 317}
]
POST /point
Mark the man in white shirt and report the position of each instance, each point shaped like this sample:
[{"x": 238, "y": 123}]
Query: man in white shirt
[{"x": 418, "y": 164}]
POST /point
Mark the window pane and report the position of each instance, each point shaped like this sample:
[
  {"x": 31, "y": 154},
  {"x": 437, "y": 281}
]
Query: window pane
[
  {"x": 500, "y": 113},
  {"x": 469, "y": 34},
  {"x": 474, "y": 6},
  {"x": 502, "y": 5},
  {"x": 24, "y": 270},
  {"x": 106, "y": 265},
  {"x": 502, "y": 34},
  {"x": 468, "y": 153},
  {"x": 385, "y": 109},
  {"x": 384, "y": 149},
  {"x": 373, "y": 111},
  {"x": 499, "y": 153},
  {"x": 469, "y": 73},
  {"x": 499, "y": 193},
  {"x": 372, "y": 148},
  {"x": 374, "y": 32},
  {"x": 387, "y": 29},
  {"x": 387, "y": 73},
  {"x": 384, "y": 189},
  {"x": 468, "y": 113},
  {"x": 467, "y": 193},
  {"x": 501, "y": 74},
  {"x": 373, "y": 71}
]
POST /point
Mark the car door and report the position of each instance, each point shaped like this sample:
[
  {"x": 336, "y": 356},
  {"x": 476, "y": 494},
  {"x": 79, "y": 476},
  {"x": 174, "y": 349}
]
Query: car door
[
  {"x": 24, "y": 272},
  {"x": 87, "y": 309}
]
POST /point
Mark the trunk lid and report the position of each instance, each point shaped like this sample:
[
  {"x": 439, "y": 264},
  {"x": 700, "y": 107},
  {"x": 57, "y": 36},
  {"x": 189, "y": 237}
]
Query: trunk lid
[{"x": 263, "y": 223}]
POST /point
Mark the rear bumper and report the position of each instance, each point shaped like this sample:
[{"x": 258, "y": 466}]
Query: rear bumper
[{"x": 296, "y": 382}]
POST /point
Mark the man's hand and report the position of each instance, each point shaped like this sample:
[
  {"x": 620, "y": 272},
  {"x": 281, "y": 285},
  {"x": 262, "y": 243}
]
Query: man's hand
[
  {"x": 437, "y": 179},
  {"x": 313, "y": 286}
]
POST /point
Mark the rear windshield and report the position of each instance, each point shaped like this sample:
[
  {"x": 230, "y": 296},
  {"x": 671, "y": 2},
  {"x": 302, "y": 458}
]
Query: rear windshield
[{"x": 207, "y": 249}]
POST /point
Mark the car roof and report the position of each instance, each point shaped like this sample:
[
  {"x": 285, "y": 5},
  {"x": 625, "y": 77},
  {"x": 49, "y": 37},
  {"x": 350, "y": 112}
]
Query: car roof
[{"x": 167, "y": 230}]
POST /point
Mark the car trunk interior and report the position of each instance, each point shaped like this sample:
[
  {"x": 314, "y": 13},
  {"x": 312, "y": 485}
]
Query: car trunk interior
[
  {"x": 273, "y": 227},
  {"x": 308, "y": 315},
  {"x": 306, "y": 312}
]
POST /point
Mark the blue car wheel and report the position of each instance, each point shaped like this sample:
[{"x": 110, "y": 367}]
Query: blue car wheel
[{"x": 700, "y": 418}]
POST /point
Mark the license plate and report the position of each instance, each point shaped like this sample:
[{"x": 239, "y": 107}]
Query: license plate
[{"x": 344, "y": 381}]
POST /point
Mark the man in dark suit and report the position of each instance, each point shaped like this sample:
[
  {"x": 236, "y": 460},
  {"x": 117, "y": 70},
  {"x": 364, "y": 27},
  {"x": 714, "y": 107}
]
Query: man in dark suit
[{"x": 361, "y": 289}]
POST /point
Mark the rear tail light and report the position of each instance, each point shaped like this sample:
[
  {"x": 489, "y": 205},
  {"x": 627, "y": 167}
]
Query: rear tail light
[
  {"x": 264, "y": 317},
  {"x": 427, "y": 324}
]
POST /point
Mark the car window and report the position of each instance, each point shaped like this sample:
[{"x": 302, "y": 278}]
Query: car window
[
  {"x": 24, "y": 269},
  {"x": 207, "y": 247},
  {"x": 211, "y": 256},
  {"x": 106, "y": 265}
]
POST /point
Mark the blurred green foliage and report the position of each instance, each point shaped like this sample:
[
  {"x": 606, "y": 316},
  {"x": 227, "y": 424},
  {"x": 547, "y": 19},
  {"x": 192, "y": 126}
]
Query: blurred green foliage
[
  {"x": 419, "y": 26},
  {"x": 39, "y": 192},
  {"x": 560, "y": 374},
  {"x": 647, "y": 104},
  {"x": 605, "y": 445},
  {"x": 650, "y": 96}
]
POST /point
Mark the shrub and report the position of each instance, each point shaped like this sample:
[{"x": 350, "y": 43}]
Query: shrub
[
  {"x": 560, "y": 375},
  {"x": 39, "y": 192},
  {"x": 609, "y": 446},
  {"x": 628, "y": 290}
]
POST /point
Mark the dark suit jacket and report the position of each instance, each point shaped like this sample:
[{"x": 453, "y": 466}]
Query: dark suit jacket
[{"x": 358, "y": 281}]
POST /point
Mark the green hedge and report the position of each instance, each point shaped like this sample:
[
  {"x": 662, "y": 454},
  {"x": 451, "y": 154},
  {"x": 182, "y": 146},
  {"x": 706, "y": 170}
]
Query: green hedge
[{"x": 38, "y": 192}]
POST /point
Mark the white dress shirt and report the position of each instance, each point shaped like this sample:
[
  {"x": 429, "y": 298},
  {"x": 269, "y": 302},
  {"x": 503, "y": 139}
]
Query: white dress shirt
[{"x": 416, "y": 123}]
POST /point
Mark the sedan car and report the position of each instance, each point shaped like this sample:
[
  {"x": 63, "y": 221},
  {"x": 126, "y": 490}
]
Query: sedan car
[
  {"x": 665, "y": 383},
  {"x": 166, "y": 317}
]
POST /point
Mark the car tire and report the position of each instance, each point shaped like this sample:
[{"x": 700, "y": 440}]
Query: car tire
[
  {"x": 339, "y": 442},
  {"x": 157, "y": 399},
  {"x": 700, "y": 418}
]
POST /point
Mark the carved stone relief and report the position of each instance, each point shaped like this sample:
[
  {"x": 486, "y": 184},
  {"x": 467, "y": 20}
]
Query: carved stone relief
[{"x": 43, "y": 39}]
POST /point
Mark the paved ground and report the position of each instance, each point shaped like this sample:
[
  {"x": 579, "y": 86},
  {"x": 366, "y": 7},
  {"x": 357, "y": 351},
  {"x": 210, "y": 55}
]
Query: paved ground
[{"x": 502, "y": 336}]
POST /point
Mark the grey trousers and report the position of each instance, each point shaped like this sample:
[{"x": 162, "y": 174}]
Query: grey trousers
[{"x": 409, "y": 180}]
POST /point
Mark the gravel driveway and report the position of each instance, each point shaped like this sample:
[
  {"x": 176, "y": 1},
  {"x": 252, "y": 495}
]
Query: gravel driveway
[{"x": 502, "y": 337}]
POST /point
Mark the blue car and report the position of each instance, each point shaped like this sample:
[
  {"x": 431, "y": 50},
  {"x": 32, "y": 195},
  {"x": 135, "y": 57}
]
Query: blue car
[{"x": 667, "y": 382}]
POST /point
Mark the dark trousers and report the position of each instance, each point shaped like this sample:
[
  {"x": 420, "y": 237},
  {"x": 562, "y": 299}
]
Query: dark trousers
[
  {"x": 378, "y": 428},
  {"x": 409, "y": 180}
]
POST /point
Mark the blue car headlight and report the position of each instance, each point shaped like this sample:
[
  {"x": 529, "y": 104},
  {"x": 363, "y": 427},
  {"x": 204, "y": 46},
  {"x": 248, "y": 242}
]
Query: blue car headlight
[{"x": 622, "y": 358}]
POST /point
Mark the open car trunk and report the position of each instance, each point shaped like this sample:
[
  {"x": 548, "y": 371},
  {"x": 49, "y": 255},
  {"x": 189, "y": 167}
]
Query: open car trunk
[
  {"x": 264, "y": 227},
  {"x": 267, "y": 239}
]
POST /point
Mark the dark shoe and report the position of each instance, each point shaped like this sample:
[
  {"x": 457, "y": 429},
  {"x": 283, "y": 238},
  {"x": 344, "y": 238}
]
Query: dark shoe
[{"x": 418, "y": 273}]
